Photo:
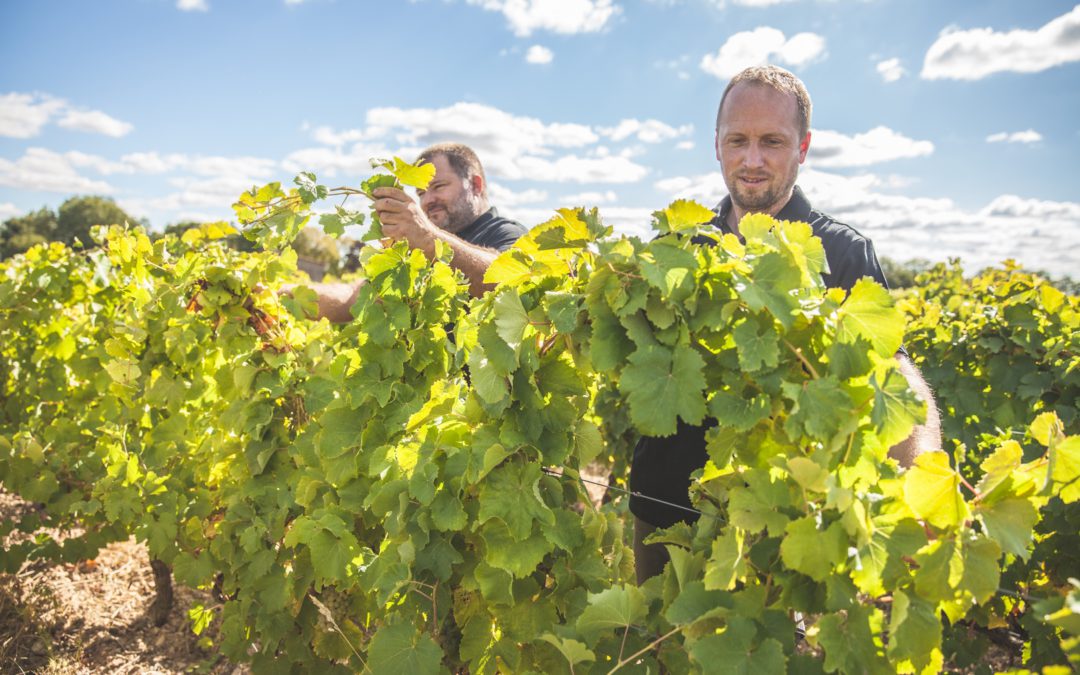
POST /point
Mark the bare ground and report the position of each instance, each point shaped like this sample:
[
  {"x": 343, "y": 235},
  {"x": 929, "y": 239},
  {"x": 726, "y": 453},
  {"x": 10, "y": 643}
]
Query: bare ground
[{"x": 93, "y": 617}]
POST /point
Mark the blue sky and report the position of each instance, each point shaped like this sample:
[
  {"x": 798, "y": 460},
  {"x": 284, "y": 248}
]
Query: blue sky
[{"x": 940, "y": 128}]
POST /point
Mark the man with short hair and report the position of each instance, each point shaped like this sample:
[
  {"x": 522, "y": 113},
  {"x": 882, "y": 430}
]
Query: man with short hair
[
  {"x": 762, "y": 136},
  {"x": 453, "y": 209}
]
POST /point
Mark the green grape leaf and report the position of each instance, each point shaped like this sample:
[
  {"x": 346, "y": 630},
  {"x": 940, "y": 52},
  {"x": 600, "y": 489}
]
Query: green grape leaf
[
  {"x": 1065, "y": 469},
  {"x": 732, "y": 651},
  {"x": 377, "y": 181},
  {"x": 668, "y": 268},
  {"x": 510, "y": 318},
  {"x": 896, "y": 407},
  {"x": 821, "y": 410},
  {"x": 681, "y": 215},
  {"x": 341, "y": 429},
  {"x": 662, "y": 385},
  {"x": 811, "y": 551},
  {"x": 849, "y": 641},
  {"x": 1011, "y": 523},
  {"x": 572, "y": 650},
  {"x": 727, "y": 564},
  {"x": 401, "y": 648},
  {"x": 738, "y": 412},
  {"x": 869, "y": 313},
  {"x": 932, "y": 490},
  {"x": 615, "y": 607},
  {"x": 756, "y": 349},
  {"x": 695, "y": 603},
  {"x": 769, "y": 287},
  {"x": 517, "y": 557},
  {"x": 915, "y": 634},
  {"x": 333, "y": 546},
  {"x": 308, "y": 189},
  {"x": 999, "y": 466},
  {"x": 334, "y": 224},
  {"x": 511, "y": 493},
  {"x": 413, "y": 175}
]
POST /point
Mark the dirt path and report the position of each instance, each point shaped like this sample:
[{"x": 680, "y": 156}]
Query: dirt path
[{"x": 92, "y": 617}]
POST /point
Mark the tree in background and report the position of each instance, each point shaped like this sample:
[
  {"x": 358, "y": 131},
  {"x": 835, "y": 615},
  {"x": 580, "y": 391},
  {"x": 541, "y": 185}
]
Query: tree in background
[
  {"x": 902, "y": 274},
  {"x": 21, "y": 232},
  {"x": 71, "y": 222},
  {"x": 317, "y": 247},
  {"x": 77, "y": 215}
]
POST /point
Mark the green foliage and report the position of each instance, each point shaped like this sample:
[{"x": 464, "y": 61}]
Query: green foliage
[
  {"x": 359, "y": 502},
  {"x": 77, "y": 215},
  {"x": 1000, "y": 349}
]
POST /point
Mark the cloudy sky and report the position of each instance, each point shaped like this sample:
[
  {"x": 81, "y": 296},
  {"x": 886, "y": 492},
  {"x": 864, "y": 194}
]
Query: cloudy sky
[{"x": 940, "y": 128}]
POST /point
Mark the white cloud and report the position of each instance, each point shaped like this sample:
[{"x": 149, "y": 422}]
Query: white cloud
[
  {"x": 589, "y": 198},
  {"x": 557, "y": 16},
  {"x": 539, "y": 54},
  {"x": 760, "y": 46},
  {"x": 880, "y": 144},
  {"x": 507, "y": 144},
  {"x": 647, "y": 131},
  {"x": 152, "y": 162},
  {"x": 329, "y": 136},
  {"x": 95, "y": 121},
  {"x": 1029, "y": 136},
  {"x": 23, "y": 115},
  {"x": 248, "y": 167},
  {"x": 47, "y": 171},
  {"x": 976, "y": 53},
  {"x": 1018, "y": 207},
  {"x": 684, "y": 145},
  {"x": 890, "y": 70},
  {"x": 505, "y": 198},
  {"x": 9, "y": 210},
  {"x": 706, "y": 189},
  {"x": 192, "y": 5},
  {"x": 571, "y": 168},
  {"x": 332, "y": 162}
]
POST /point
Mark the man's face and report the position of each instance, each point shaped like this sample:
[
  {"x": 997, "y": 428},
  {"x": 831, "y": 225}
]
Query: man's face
[
  {"x": 759, "y": 147},
  {"x": 450, "y": 202}
]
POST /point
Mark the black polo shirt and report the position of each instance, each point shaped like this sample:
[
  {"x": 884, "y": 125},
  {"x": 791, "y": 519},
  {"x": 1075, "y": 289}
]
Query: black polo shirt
[
  {"x": 491, "y": 230},
  {"x": 662, "y": 466}
]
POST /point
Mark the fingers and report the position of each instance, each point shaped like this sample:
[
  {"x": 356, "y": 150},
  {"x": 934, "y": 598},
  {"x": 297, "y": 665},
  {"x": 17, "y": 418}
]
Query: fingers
[{"x": 390, "y": 193}]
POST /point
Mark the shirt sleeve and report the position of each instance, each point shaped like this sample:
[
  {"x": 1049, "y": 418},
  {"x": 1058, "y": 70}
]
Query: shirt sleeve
[
  {"x": 505, "y": 236},
  {"x": 858, "y": 260}
]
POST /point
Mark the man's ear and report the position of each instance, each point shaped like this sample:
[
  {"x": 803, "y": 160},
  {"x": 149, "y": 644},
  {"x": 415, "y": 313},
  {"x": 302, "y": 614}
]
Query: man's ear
[
  {"x": 476, "y": 183},
  {"x": 716, "y": 143},
  {"x": 804, "y": 147}
]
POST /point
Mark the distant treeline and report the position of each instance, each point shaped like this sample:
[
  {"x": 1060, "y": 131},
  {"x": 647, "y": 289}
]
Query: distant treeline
[{"x": 70, "y": 224}]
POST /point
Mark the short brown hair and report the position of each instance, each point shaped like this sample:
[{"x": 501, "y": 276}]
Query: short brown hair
[
  {"x": 782, "y": 81},
  {"x": 460, "y": 157}
]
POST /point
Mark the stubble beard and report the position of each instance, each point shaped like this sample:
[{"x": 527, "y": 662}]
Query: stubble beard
[
  {"x": 772, "y": 196},
  {"x": 459, "y": 215}
]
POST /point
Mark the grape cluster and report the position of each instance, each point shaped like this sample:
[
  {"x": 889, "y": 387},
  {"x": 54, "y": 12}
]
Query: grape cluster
[{"x": 336, "y": 604}]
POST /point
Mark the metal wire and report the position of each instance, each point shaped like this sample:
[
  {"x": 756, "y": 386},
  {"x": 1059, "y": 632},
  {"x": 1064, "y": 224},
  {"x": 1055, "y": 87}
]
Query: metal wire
[{"x": 607, "y": 486}]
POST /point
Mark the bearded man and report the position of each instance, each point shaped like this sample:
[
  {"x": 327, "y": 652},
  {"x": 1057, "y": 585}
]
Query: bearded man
[
  {"x": 762, "y": 136},
  {"x": 453, "y": 209}
]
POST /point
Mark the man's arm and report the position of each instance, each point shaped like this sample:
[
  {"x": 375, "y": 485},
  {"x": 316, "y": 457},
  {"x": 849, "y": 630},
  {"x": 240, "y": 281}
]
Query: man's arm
[
  {"x": 925, "y": 437},
  {"x": 335, "y": 300},
  {"x": 402, "y": 218}
]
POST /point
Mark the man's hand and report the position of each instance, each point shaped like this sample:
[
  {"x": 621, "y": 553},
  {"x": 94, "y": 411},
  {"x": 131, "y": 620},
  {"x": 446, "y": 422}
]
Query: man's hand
[{"x": 402, "y": 218}]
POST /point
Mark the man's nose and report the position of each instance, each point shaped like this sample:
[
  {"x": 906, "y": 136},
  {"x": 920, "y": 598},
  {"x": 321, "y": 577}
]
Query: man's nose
[{"x": 754, "y": 155}]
